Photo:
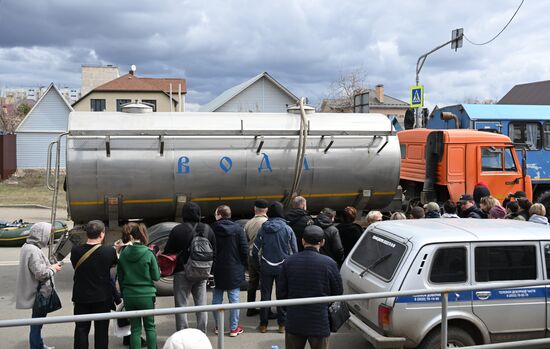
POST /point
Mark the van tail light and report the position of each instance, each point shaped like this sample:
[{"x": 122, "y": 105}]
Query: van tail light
[{"x": 384, "y": 317}]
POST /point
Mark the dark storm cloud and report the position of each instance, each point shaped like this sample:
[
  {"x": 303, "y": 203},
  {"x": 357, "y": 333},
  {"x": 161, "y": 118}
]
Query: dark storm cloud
[{"x": 304, "y": 44}]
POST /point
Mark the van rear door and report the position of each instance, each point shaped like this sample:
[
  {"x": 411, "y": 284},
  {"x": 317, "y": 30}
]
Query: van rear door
[
  {"x": 511, "y": 313},
  {"x": 372, "y": 267}
]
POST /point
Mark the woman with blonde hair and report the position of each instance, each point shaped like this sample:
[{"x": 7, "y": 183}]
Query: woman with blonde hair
[
  {"x": 137, "y": 271},
  {"x": 487, "y": 203}
]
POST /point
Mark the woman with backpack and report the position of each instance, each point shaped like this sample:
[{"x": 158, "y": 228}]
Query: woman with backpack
[{"x": 137, "y": 270}]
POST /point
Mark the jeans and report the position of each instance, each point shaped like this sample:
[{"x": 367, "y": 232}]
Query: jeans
[
  {"x": 101, "y": 328},
  {"x": 35, "y": 336},
  {"x": 142, "y": 303},
  {"x": 182, "y": 289},
  {"x": 266, "y": 286},
  {"x": 233, "y": 297},
  {"x": 253, "y": 278}
]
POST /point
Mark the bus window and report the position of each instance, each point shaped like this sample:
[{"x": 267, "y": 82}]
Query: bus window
[
  {"x": 547, "y": 135},
  {"x": 528, "y": 133}
]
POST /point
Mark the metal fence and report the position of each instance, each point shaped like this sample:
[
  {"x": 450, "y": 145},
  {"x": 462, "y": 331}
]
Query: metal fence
[{"x": 220, "y": 308}]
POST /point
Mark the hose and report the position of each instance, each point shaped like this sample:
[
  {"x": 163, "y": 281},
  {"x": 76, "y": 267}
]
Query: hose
[{"x": 302, "y": 138}]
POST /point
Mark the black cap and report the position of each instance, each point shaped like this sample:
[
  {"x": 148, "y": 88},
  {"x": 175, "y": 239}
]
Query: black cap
[
  {"x": 260, "y": 203},
  {"x": 520, "y": 194},
  {"x": 276, "y": 209},
  {"x": 313, "y": 234},
  {"x": 466, "y": 197}
]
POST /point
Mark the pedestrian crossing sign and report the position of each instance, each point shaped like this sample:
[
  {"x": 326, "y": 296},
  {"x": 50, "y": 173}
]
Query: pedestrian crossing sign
[{"x": 417, "y": 96}]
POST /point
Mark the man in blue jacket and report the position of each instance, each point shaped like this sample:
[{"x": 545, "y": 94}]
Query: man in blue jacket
[
  {"x": 274, "y": 243},
  {"x": 309, "y": 274}
]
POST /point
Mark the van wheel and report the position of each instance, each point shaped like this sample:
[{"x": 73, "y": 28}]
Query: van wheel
[{"x": 457, "y": 338}]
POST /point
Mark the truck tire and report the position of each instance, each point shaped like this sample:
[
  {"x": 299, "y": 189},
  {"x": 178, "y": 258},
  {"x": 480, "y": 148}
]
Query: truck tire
[
  {"x": 158, "y": 236},
  {"x": 457, "y": 338}
]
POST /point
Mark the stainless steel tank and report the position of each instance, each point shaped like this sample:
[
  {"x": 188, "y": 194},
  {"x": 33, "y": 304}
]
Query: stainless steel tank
[{"x": 145, "y": 166}]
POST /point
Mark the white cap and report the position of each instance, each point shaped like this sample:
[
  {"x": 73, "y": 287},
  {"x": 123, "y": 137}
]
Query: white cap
[{"x": 189, "y": 338}]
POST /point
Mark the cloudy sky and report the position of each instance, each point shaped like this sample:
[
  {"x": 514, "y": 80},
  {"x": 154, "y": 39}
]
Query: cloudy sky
[{"x": 305, "y": 45}]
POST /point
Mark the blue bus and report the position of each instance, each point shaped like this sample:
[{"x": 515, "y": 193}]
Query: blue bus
[{"x": 528, "y": 126}]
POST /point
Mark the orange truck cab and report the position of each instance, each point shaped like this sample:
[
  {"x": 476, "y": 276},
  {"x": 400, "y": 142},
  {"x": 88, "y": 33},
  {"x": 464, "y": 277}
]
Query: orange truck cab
[{"x": 437, "y": 165}]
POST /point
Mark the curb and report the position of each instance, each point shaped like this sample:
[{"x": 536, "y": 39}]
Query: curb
[{"x": 26, "y": 206}]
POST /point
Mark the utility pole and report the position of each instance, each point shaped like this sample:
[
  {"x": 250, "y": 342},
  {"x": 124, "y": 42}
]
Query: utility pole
[{"x": 456, "y": 43}]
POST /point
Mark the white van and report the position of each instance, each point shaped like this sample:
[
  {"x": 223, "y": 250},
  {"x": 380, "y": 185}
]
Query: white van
[{"x": 435, "y": 253}]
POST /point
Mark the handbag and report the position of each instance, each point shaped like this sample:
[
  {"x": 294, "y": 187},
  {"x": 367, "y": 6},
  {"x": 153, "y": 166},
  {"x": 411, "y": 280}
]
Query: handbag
[
  {"x": 121, "y": 327},
  {"x": 46, "y": 304},
  {"x": 338, "y": 314},
  {"x": 167, "y": 263}
]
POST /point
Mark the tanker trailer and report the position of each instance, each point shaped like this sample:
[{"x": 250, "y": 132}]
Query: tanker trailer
[{"x": 123, "y": 166}]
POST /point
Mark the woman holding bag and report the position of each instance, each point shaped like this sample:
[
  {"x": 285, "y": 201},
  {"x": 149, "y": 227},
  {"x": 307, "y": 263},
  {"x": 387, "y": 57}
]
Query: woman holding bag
[
  {"x": 35, "y": 275},
  {"x": 137, "y": 270}
]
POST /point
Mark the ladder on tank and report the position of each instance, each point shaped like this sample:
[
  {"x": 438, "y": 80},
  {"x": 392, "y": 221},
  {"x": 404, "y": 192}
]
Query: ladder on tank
[{"x": 55, "y": 189}]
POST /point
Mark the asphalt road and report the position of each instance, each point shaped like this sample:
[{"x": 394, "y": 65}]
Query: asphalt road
[{"x": 61, "y": 336}]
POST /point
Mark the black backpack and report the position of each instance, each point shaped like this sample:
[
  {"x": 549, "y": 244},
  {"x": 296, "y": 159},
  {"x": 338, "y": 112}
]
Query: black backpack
[{"x": 201, "y": 257}]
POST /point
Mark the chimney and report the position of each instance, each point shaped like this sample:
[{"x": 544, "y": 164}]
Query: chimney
[{"x": 379, "y": 92}]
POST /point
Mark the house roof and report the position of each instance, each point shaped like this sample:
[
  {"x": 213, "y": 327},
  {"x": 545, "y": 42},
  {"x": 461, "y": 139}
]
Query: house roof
[
  {"x": 389, "y": 102},
  {"x": 228, "y": 94},
  {"x": 537, "y": 93},
  {"x": 133, "y": 83},
  {"x": 55, "y": 90},
  {"x": 505, "y": 111}
]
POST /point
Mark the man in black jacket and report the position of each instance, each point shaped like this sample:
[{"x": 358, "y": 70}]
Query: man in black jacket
[
  {"x": 178, "y": 243},
  {"x": 298, "y": 219},
  {"x": 468, "y": 208},
  {"x": 333, "y": 245},
  {"x": 308, "y": 274},
  {"x": 231, "y": 257}
]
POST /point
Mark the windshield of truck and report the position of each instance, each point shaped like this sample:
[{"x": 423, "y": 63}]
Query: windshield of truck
[{"x": 378, "y": 254}]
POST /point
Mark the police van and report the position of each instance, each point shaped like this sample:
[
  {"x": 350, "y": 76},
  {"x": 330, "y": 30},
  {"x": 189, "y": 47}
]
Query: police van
[{"x": 446, "y": 253}]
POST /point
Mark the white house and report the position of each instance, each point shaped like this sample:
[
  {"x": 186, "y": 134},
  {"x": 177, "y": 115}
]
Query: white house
[
  {"x": 47, "y": 119},
  {"x": 261, "y": 94}
]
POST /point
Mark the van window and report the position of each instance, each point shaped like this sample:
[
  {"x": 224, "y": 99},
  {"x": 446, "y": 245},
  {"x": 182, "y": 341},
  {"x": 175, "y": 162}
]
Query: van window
[
  {"x": 379, "y": 254},
  {"x": 547, "y": 259},
  {"x": 504, "y": 263},
  {"x": 449, "y": 265},
  {"x": 528, "y": 133}
]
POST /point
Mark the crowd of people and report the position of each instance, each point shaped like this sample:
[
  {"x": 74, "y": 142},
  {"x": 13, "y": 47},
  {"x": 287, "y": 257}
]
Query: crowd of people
[{"x": 296, "y": 252}]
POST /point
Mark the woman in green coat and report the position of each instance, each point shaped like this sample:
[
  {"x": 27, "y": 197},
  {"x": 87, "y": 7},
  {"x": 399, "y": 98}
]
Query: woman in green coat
[{"x": 137, "y": 270}]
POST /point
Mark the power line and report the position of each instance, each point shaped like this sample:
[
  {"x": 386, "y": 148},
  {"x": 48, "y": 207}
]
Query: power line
[{"x": 500, "y": 32}]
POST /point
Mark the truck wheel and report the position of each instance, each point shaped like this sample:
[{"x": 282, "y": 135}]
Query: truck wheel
[
  {"x": 158, "y": 236},
  {"x": 457, "y": 338}
]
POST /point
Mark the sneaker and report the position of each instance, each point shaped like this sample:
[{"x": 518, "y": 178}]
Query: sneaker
[
  {"x": 281, "y": 328},
  {"x": 236, "y": 332},
  {"x": 263, "y": 328},
  {"x": 47, "y": 347},
  {"x": 215, "y": 330}
]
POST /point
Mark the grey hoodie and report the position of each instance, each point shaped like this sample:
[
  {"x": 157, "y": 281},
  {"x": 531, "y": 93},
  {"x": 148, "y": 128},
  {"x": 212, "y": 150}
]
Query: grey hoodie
[
  {"x": 33, "y": 266},
  {"x": 538, "y": 219}
]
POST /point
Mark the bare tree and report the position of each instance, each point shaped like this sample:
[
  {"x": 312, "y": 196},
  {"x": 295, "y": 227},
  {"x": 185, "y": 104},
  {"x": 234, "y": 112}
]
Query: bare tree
[
  {"x": 477, "y": 100},
  {"x": 345, "y": 87},
  {"x": 9, "y": 120}
]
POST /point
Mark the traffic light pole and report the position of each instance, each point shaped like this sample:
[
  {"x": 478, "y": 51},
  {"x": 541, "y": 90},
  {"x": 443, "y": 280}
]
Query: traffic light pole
[{"x": 419, "y": 65}]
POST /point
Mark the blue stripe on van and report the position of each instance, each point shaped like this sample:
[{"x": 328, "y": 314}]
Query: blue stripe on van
[{"x": 508, "y": 293}]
